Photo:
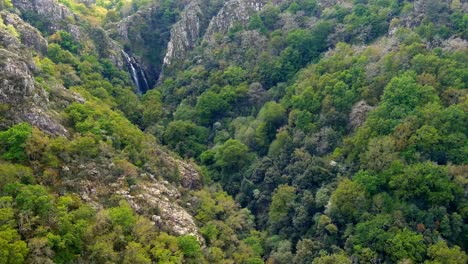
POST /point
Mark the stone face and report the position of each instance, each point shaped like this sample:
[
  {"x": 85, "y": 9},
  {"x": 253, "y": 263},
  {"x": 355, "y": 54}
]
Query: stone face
[
  {"x": 359, "y": 114},
  {"x": 123, "y": 28},
  {"x": 49, "y": 10},
  {"x": 455, "y": 44},
  {"x": 188, "y": 31},
  {"x": 37, "y": 117},
  {"x": 9, "y": 41},
  {"x": 30, "y": 36},
  {"x": 190, "y": 177},
  {"x": 162, "y": 196},
  {"x": 27, "y": 102},
  {"x": 234, "y": 11},
  {"x": 58, "y": 17},
  {"x": 185, "y": 33},
  {"x": 157, "y": 199},
  {"x": 15, "y": 78}
]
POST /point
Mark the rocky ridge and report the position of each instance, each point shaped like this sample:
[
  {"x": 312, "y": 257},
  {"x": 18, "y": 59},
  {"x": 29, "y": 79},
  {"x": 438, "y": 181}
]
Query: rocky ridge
[
  {"x": 22, "y": 98},
  {"x": 57, "y": 15},
  {"x": 188, "y": 31},
  {"x": 234, "y": 11},
  {"x": 54, "y": 16}
]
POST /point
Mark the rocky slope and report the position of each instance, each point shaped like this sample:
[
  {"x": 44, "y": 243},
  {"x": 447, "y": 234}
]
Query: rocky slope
[
  {"x": 234, "y": 11},
  {"x": 189, "y": 30},
  {"x": 185, "y": 33},
  {"x": 50, "y": 16},
  {"x": 22, "y": 99}
]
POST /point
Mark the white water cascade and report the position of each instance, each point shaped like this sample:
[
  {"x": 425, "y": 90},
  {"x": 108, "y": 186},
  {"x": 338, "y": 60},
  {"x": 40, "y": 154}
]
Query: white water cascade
[{"x": 137, "y": 73}]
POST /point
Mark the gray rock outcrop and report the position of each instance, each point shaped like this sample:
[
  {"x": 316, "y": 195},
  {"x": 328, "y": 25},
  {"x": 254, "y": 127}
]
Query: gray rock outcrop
[
  {"x": 185, "y": 33},
  {"x": 234, "y": 11},
  {"x": 29, "y": 36},
  {"x": 23, "y": 99},
  {"x": 53, "y": 12},
  {"x": 358, "y": 114}
]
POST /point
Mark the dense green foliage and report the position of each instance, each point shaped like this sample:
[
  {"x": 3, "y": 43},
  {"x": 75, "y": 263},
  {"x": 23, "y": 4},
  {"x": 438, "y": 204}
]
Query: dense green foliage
[
  {"x": 313, "y": 176},
  {"x": 341, "y": 138}
]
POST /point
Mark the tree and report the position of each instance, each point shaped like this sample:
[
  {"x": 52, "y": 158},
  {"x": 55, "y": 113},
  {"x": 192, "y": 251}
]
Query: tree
[
  {"x": 12, "y": 249},
  {"x": 270, "y": 16},
  {"x": 5, "y": 4},
  {"x": 34, "y": 200},
  {"x": 306, "y": 251},
  {"x": 256, "y": 23},
  {"x": 186, "y": 138},
  {"x": 65, "y": 40},
  {"x": 210, "y": 106},
  {"x": 152, "y": 107},
  {"x": 271, "y": 117},
  {"x": 230, "y": 162},
  {"x": 371, "y": 234},
  {"x": 380, "y": 154},
  {"x": 282, "y": 254},
  {"x": 338, "y": 258},
  {"x": 123, "y": 216},
  {"x": 135, "y": 253},
  {"x": 11, "y": 173},
  {"x": 13, "y": 142},
  {"x": 440, "y": 253},
  {"x": 232, "y": 156},
  {"x": 405, "y": 244},
  {"x": 426, "y": 184},
  {"x": 282, "y": 202},
  {"x": 348, "y": 202},
  {"x": 234, "y": 75},
  {"x": 58, "y": 55},
  {"x": 166, "y": 249},
  {"x": 403, "y": 96},
  {"x": 190, "y": 248}
]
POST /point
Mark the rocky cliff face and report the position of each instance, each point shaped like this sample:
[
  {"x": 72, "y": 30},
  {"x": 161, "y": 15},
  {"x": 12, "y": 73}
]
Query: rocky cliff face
[
  {"x": 17, "y": 82},
  {"x": 22, "y": 99},
  {"x": 131, "y": 34},
  {"x": 51, "y": 11},
  {"x": 29, "y": 36},
  {"x": 157, "y": 199},
  {"x": 185, "y": 33},
  {"x": 191, "y": 30},
  {"x": 51, "y": 16},
  {"x": 234, "y": 11}
]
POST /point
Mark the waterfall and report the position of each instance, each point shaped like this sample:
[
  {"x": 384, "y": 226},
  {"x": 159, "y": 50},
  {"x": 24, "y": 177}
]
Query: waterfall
[
  {"x": 143, "y": 76},
  {"x": 137, "y": 73}
]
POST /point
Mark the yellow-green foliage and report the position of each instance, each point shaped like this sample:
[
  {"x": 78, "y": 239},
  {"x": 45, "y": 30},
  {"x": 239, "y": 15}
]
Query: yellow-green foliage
[
  {"x": 5, "y": 4},
  {"x": 93, "y": 14},
  {"x": 98, "y": 119},
  {"x": 10, "y": 28}
]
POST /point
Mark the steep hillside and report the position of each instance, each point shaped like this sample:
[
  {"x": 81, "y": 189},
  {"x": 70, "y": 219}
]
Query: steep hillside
[
  {"x": 79, "y": 181},
  {"x": 240, "y": 131}
]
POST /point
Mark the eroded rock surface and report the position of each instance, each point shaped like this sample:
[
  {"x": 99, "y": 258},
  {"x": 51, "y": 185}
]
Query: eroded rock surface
[
  {"x": 359, "y": 114},
  {"x": 234, "y": 11},
  {"x": 185, "y": 33},
  {"x": 29, "y": 35},
  {"x": 52, "y": 11},
  {"x": 162, "y": 198}
]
